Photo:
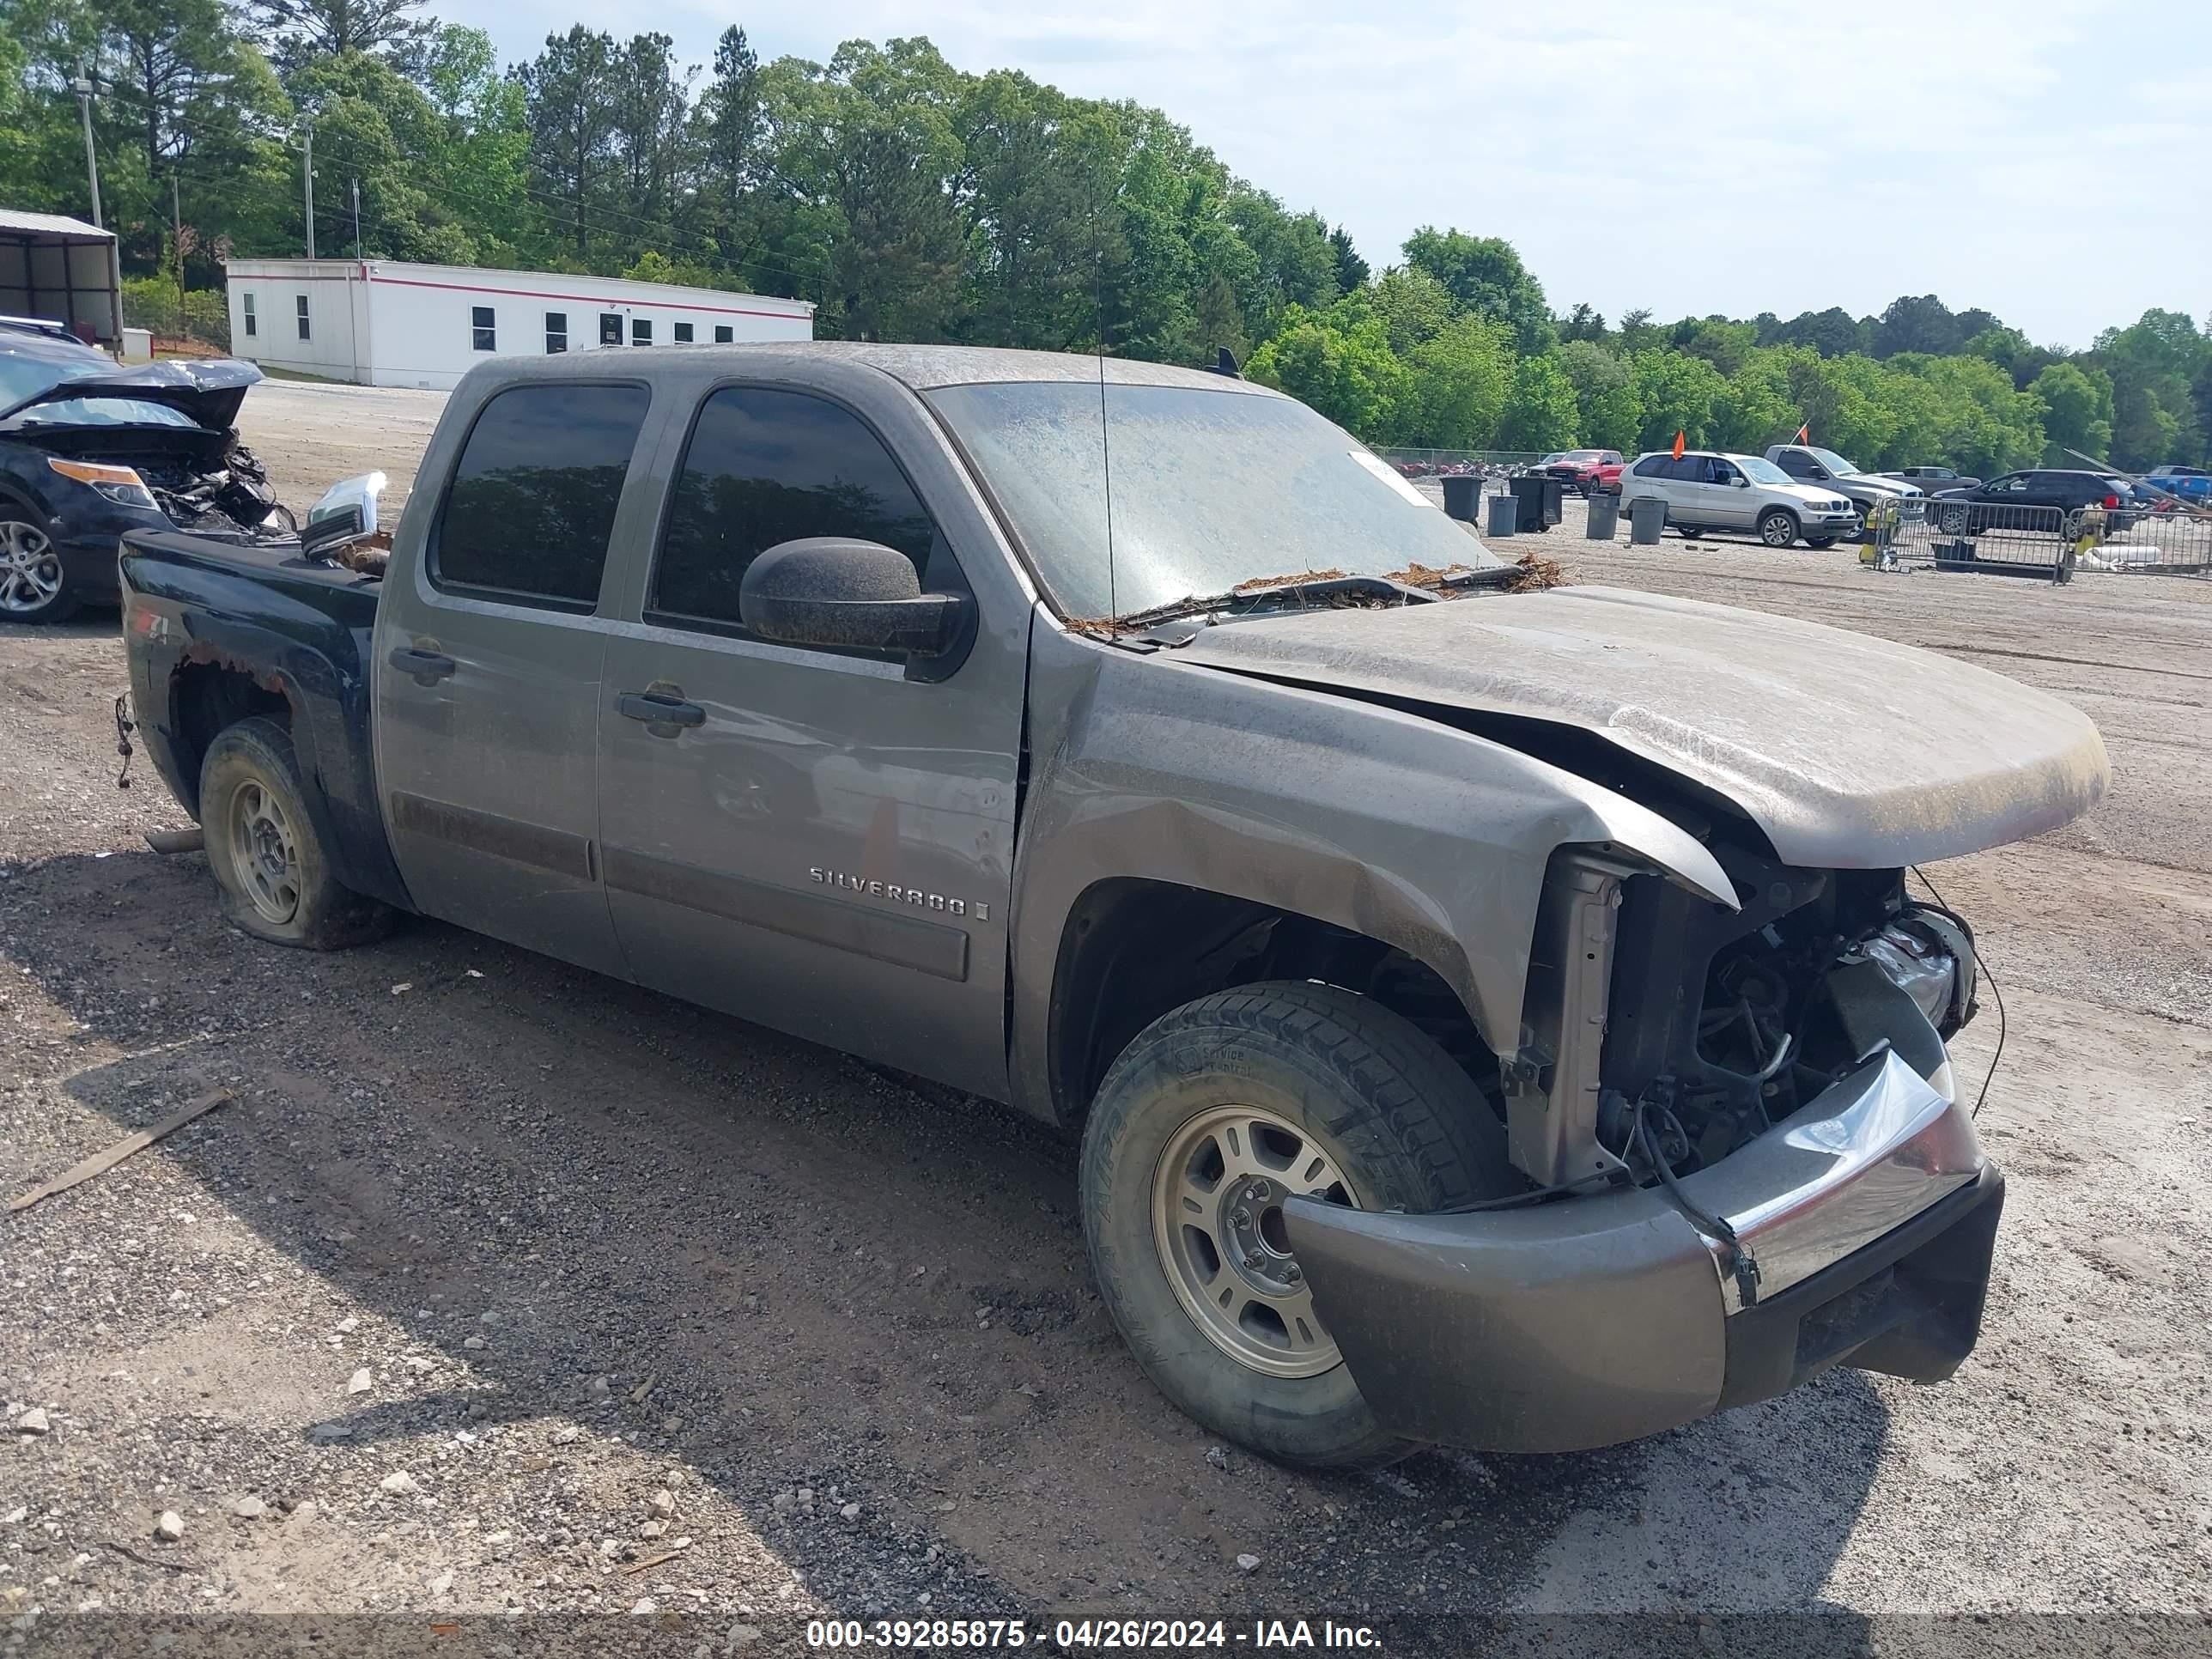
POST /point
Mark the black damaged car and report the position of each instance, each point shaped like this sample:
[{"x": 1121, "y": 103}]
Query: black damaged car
[{"x": 89, "y": 448}]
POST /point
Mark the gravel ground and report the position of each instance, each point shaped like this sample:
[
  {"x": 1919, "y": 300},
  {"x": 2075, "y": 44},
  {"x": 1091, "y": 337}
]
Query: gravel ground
[{"x": 503, "y": 1289}]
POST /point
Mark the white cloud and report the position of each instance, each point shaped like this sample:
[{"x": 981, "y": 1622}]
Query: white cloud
[{"x": 1702, "y": 155}]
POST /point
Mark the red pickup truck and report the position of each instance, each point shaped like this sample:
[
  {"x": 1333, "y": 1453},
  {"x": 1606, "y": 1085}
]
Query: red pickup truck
[{"x": 1587, "y": 471}]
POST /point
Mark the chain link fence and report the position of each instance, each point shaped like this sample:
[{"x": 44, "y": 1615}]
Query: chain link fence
[{"x": 1441, "y": 462}]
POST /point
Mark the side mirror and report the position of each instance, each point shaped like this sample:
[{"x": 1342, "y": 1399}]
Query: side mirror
[
  {"x": 1819, "y": 474},
  {"x": 832, "y": 591},
  {"x": 346, "y": 513},
  {"x": 1741, "y": 482}
]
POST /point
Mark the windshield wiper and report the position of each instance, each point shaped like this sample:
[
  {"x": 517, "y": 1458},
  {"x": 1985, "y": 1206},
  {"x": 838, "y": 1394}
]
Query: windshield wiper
[{"x": 1304, "y": 594}]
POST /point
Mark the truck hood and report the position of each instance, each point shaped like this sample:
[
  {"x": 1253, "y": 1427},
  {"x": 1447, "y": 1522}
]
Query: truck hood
[
  {"x": 1879, "y": 485},
  {"x": 1848, "y": 751},
  {"x": 210, "y": 391}
]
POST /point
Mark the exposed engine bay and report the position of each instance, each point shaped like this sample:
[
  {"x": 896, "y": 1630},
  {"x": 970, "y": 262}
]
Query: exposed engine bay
[
  {"x": 1668, "y": 1033},
  {"x": 233, "y": 501}
]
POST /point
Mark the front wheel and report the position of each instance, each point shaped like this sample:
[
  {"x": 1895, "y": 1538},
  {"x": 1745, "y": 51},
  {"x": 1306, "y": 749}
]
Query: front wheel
[
  {"x": 34, "y": 588},
  {"x": 1213, "y": 1116},
  {"x": 1777, "y": 526},
  {"x": 269, "y": 862}
]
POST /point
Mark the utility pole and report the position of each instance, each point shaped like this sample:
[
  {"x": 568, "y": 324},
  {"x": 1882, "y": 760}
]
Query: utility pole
[
  {"x": 177, "y": 224},
  {"x": 308, "y": 129},
  {"x": 356, "y": 221},
  {"x": 83, "y": 87}
]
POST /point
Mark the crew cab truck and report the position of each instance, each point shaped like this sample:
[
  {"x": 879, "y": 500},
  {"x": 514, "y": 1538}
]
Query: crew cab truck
[{"x": 1487, "y": 1018}]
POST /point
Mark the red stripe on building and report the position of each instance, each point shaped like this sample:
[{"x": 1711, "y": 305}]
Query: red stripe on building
[{"x": 591, "y": 300}]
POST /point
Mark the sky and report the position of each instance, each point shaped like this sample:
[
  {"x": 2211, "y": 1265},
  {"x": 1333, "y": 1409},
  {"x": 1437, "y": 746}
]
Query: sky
[{"x": 1693, "y": 156}]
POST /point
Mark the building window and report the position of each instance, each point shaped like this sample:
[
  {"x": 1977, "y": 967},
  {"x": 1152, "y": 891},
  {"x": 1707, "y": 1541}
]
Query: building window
[
  {"x": 556, "y": 331},
  {"x": 640, "y": 331},
  {"x": 532, "y": 501},
  {"x": 610, "y": 328},
  {"x": 483, "y": 332},
  {"x": 301, "y": 301},
  {"x": 724, "y": 334},
  {"x": 684, "y": 334},
  {"x": 246, "y": 301}
]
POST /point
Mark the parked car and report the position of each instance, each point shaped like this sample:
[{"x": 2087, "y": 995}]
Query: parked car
[
  {"x": 1707, "y": 490},
  {"x": 1587, "y": 471},
  {"x": 1808, "y": 464},
  {"x": 1932, "y": 480},
  {"x": 2036, "y": 501},
  {"x": 2191, "y": 483},
  {"x": 90, "y": 449},
  {"x": 1495, "y": 1019}
]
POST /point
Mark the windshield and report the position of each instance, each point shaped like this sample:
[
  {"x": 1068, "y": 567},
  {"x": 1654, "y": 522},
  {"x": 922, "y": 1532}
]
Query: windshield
[
  {"x": 1833, "y": 462},
  {"x": 1582, "y": 455},
  {"x": 1761, "y": 471},
  {"x": 105, "y": 411},
  {"x": 1210, "y": 490},
  {"x": 27, "y": 372}
]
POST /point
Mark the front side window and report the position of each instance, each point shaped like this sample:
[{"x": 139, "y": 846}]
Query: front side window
[
  {"x": 557, "y": 332},
  {"x": 533, "y": 497},
  {"x": 640, "y": 331},
  {"x": 765, "y": 467},
  {"x": 245, "y": 302},
  {"x": 482, "y": 329},
  {"x": 684, "y": 334},
  {"x": 301, "y": 307}
]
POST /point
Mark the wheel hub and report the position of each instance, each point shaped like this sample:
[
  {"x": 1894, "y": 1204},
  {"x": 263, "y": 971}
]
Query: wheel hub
[
  {"x": 30, "y": 571},
  {"x": 262, "y": 853},
  {"x": 1218, "y": 1198}
]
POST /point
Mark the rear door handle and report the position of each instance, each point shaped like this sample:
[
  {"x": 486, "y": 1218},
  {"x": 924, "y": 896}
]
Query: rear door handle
[
  {"x": 656, "y": 710},
  {"x": 427, "y": 667}
]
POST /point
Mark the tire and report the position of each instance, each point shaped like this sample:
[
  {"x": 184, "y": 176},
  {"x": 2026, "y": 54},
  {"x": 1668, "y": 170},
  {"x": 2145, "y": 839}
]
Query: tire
[
  {"x": 1777, "y": 526},
  {"x": 1323, "y": 1071},
  {"x": 1691, "y": 533},
  {"x": 1822, "y": 542},
  {"x": 270, "y": 870},
  {"x": 33, "y": 587}
]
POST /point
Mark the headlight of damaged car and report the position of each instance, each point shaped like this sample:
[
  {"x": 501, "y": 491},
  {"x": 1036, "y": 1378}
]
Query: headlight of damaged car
[
  {"x": 120, "y": 484},
  {"x": 1931, "y": 957}
]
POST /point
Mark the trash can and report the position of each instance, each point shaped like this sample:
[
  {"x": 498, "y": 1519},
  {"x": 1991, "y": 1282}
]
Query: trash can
[
  {"x": 1604, "y": 517},
  {"x": 1647, "y": 517},
  {"x": 1463, "y": 497},
  {"x": 1539, "y": 500},
  {"x": 1503, "y": 510}
]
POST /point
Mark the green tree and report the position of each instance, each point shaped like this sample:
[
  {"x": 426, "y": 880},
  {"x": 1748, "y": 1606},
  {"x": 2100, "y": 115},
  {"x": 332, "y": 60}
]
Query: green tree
[
  {"x": 1540, "y": 410},
  {"x": 2078, "y": 406},
  {"x": 568, "y": 94},
  {"x": 1351, "y": 270},
  {"x": 1486, "y": 275},
  {"x": 1347, "y": 374},
  {"x": 1414, "y": 306},
  {"x": 1458, "y": 382},
  {"x": 1675, "y": 392},
  {"x": 1611, "y": 417},
  {"x": 297, "y": 32}
]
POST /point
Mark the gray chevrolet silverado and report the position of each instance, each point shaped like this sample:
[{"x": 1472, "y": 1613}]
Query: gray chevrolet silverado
[{"x": 1491, "y": 1019}]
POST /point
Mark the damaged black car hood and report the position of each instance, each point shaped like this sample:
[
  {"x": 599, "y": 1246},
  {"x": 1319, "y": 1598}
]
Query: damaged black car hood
[
  {"x": 1848, "y": 751},
  {"x": 210, "y": 391}
]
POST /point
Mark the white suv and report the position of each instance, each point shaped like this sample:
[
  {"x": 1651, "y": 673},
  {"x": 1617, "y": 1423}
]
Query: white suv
[{"x": 1707, "y": 490}]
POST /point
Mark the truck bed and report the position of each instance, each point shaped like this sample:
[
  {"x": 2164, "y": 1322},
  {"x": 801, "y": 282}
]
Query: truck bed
[{"x": 214, "y": 631}]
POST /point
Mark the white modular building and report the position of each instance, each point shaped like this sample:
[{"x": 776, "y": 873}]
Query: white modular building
[{"x": 379, "y": 322}]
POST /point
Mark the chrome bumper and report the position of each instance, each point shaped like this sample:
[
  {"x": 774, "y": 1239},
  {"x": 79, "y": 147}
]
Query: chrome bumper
[{"x": 1870, "y": 1214}]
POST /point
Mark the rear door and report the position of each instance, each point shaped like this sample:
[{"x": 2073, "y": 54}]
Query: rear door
[
  {"x": 819, "y": 841},
  {"x": 487, "y": 663}
]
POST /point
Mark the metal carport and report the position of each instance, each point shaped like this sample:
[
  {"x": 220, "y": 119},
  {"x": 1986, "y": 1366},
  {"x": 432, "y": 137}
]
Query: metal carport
[{"x": 62, "y": 269}]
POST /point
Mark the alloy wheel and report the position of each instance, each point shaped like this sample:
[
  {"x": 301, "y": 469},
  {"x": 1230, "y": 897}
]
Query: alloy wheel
[
  {"x": 30, "y": 569},
  {"x": 263, "y": 853}
]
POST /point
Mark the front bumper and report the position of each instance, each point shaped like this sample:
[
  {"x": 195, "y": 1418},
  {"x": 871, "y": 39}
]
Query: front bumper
[
  {"x": 1872, "y": 1215},
  {"x": 1841, "y": 525}
]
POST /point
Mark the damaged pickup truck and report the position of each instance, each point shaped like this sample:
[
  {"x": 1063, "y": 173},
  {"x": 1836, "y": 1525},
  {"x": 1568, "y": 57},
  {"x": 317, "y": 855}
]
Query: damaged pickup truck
[
  {"x": 90, "y": 449},
  {"x": 1489, "y": 1018}
]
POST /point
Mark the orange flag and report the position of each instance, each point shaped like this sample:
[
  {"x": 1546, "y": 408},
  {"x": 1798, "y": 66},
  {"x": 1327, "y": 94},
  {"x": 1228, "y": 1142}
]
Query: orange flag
[
  {"x": 1679, "y": 446},
  {"x": 1805, "y": 433}
]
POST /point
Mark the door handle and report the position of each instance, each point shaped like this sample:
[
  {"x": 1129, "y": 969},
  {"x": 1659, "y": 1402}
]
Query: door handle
[
  {"x": 427, "y": 667},
  {"x": 657, "y": 710}
]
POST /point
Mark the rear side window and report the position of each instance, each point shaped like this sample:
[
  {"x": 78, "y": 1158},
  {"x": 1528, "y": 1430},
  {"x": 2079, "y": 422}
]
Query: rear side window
[
  {"x": 1795, "y": 462},
  {"x": 1652, "y": 466},
  {"x": 532, "y": 501},
  {"x": 765, "y": 467}
]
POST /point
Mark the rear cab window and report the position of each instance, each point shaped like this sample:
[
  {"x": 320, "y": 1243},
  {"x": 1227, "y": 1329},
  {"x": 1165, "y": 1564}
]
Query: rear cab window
[{"x": 532, "y": 503}]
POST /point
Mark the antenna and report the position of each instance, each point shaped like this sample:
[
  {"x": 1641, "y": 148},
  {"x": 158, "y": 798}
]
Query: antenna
[{"x": 1106, "y": 447}]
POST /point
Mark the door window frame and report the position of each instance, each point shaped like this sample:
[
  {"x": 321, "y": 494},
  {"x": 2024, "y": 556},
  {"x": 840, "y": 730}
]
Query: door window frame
[{"x": 736, "y": 632}]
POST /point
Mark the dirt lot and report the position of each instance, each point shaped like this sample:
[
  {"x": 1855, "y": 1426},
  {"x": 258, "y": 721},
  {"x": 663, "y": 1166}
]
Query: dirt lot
[{"x": 499, "y": 1280}]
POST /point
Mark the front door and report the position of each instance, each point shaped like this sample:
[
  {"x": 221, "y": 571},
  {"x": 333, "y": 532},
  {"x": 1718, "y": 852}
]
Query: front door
[
  {"x": 1730, "y": 502},
  {"x": 821, "y": 841},
  {"x": 487, "y": 664}
]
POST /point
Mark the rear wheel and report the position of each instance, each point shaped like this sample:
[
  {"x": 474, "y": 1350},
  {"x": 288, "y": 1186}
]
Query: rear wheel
[
  {"x": 1214, "y": 1115},
  {"x": 1777, "y": 526},
  {"x": 33, "y": 587},
  {"x": 269, "y": 862},
  {"x": 1689, "y": 533},
  {"x": 1820, "y": 540}
]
